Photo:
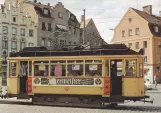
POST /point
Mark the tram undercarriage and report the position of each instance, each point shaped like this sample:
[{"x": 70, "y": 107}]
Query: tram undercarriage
[{"x": 83, "y": 100}]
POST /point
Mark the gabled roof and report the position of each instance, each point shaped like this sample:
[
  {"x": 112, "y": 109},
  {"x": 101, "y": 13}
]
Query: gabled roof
[
  {"x": 150, "y": 18},
  {"x": 86, "y": 23}
]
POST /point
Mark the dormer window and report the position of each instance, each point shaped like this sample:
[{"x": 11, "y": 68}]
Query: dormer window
[
  {"x": 46, "y": 11},
  {"x": 60, "y": 15},
  {"x": 156, "y": 29}
]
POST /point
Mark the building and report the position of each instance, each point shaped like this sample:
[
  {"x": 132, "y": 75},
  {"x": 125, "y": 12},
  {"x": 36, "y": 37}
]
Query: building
[
  {"x": 92, "y": 37},
  {"x": 17, "y": 31},
  {"x": 141, "y": 29},
  {"x": 57, "y": 26}
]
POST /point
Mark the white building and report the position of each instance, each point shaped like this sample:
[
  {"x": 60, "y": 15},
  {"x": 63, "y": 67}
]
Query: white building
[{"x": 17, "y": 31}]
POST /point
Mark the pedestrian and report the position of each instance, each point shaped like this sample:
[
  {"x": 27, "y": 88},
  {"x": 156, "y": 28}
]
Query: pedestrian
[{"x": 155, "y": 80}]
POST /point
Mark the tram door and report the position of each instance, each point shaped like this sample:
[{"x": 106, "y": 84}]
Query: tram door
[
  {"x": 116, "y": 77},
  {"x": 23, "y": 73}
]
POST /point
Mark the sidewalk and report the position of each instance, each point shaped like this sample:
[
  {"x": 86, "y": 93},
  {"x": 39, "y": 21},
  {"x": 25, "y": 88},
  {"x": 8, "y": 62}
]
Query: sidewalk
[{"x": 155, "y": 90}]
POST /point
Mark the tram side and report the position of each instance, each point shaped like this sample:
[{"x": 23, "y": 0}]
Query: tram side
[{"x": 77, "y": 80}]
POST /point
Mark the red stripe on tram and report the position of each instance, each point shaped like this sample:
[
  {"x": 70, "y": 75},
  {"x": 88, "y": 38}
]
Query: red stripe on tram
[
  {"x": 107, "y": 86},
  {"x": 29, "y": 88}
]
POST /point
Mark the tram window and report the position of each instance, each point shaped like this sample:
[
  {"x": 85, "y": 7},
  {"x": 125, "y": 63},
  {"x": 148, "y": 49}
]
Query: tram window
[
  {"x": 30, "y": 68},
  {"x": 130, "y": 67},
  {"x": 12, "y": 68},
  {"x": 116, "y": 68},
  {"x": 58, "y": 68},
  {"x": 119, "y": 69},
  {"x": 107, "y": 68},
  {"x": 75, "y": 68},
  {"x": 23, "y": 68},
  {"x": 93, "y": 69},
  {"x": 141, "y": 69},
  {"x": 41, "y": 68}
]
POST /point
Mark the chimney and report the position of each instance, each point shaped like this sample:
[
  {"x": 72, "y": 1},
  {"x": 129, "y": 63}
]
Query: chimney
[
  {"x": 160, "y": 13},
  {"x": 148, "y": 9},
  {"x": 82, "y": 18},
  {"x": 48, "y": 4}
]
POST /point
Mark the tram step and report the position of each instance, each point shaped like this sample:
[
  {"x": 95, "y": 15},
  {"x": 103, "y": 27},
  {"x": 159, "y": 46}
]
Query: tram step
[
  {"x": 116, "y": 99},
  {"x": 22, "y": 96}
]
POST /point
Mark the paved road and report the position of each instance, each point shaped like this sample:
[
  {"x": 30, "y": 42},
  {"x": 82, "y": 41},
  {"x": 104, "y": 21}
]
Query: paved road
[{"x": 13, "y": 106}]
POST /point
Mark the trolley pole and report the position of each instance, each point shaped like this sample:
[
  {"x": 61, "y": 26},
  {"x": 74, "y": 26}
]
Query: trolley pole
[{"x": 84, "y": 26}]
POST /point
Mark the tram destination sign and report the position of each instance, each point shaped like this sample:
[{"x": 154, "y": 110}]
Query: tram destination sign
[{"x": 67, "y": 81}]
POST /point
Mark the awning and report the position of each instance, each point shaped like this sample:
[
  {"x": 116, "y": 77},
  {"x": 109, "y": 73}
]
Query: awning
[{"x": 62, "y": 27}]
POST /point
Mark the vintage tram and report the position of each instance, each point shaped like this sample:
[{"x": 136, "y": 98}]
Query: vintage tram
[{"x": 110, "y": 74}]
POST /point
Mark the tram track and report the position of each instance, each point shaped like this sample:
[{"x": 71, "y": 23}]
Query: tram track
[{"x": 129, "y": 107}]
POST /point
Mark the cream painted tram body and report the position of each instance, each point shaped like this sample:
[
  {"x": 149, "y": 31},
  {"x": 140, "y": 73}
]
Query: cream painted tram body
[{"x": 77, "y": 77}]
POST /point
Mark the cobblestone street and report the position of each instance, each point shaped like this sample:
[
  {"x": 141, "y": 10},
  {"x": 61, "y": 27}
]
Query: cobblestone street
[{"x": 21, "y": 106}]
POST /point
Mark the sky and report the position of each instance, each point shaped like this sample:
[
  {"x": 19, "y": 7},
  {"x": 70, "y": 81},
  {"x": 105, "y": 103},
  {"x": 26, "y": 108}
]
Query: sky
[{"x": 105, "y": 13}]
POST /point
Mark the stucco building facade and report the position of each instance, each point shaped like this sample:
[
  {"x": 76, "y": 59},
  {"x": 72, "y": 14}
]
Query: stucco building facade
[
  {"x": 142, "y": 30},
  {"x": 16, "y": 31}
]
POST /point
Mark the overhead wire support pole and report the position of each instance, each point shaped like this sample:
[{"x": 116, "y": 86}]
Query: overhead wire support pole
[{"x": 84, "y": 26}]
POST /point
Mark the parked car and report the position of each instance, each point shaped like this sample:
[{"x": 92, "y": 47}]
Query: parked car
[{"x": 148, "y": 84}]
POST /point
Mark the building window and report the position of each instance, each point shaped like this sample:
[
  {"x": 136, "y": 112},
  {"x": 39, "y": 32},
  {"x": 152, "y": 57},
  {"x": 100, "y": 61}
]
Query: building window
[
  {"x": 145, "y": 59},
  {"x": 31, "y": 33},
  {"x": 130, "y": 45},
  {"x": 5, "y": 30},
  {"x": 43, "y": 42},
  {"x": 45, "y": 11},
  {"x": 60, "y": 15},
  {"x": 43, "y": 26},
  {"x": 137, "y": 45},
  {"x": 4, "y": 44},
  {"x": 14, "y": 44},
  {"x": 75, "y": 32},
  {"x": 123, "y": 33},
  {"x": 144, "y": 44},
  {"x": 62, "y": 42},
  {"x": 22, "y": 45},
  {"x": 14, "y": 31},
  {"x": 75, "y": 43},
  {"x": 49, "y": 43},
  {"x": 137, "y": 31},
  {"x": 14, "y": 19},
  {"x": 49, "y": 27},
  {"x": 130, "y": 20},
  {"x": 130, "y": 32},
  {"x": 22, "y": 32},
  {"x": 156, "y": 29},
  {"x": 31, "y": 44}
]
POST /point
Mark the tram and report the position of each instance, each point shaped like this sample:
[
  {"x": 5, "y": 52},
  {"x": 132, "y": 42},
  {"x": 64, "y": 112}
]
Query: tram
[{"x": 111, "y": 74}]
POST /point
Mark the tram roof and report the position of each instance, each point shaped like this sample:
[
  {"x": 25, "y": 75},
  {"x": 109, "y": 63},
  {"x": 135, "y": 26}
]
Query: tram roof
[{"x": 110, "y": 49}]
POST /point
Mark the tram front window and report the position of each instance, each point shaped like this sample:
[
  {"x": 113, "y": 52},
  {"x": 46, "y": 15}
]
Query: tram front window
[{"x": 41, "y": 68}]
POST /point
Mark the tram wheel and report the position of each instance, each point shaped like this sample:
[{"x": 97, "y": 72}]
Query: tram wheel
[{"x": 112, "y": 105}]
